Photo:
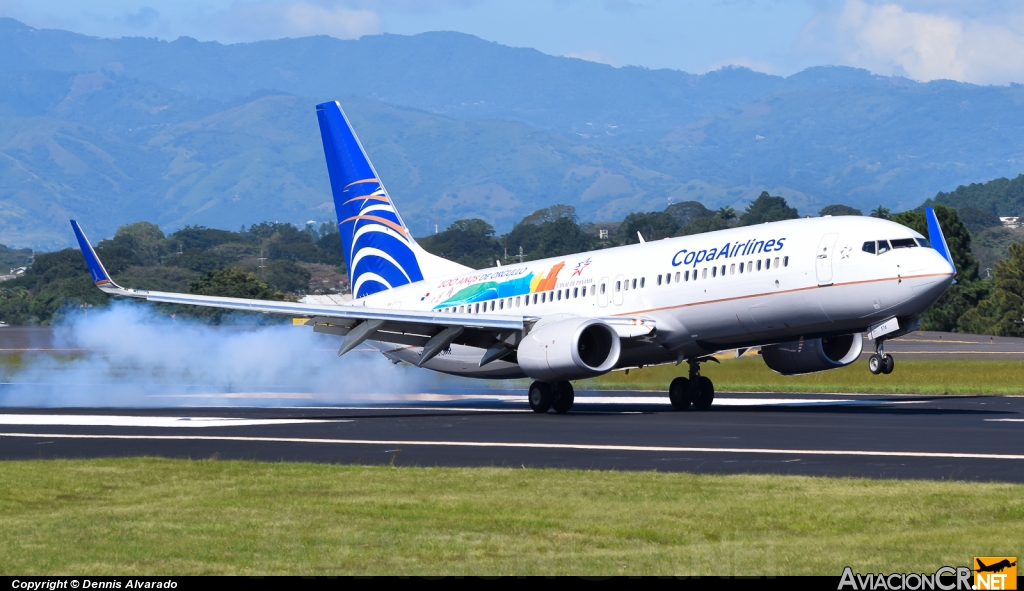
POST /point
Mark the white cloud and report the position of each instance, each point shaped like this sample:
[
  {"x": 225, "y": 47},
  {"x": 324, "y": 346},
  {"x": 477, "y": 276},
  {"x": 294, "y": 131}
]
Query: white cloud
[
  {"x": 950, "y": 41},
  {"x": 269, "y": 19}
]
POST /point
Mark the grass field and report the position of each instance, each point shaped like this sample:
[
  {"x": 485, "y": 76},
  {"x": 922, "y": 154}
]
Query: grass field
[
  {"x": 918, "y": 376},
  {"x": 156, "y": 516}
]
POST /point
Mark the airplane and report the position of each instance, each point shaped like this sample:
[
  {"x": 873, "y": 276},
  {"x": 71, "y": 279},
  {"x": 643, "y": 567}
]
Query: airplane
[
  {"x": 804, "y": 291},
  {"x": 994, "y": 568}
]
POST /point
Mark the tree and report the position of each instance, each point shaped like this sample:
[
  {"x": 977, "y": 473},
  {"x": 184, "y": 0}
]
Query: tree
[
  {"x": 767, "y": 209},
  {"x": 230, "y": 283},
  {"x": 839, "y": 209},
  {"x": 726, "y": 213},
  {"x": 977, "y": 219},
  {"x": 550, "y": 214},
  {"x": 468, "y": 242},
  {"x": 654, "y": 225},
  {"x": 686, "y": 212},
  {"x": 144, "y": 239},
  {"x": 881, "y": 213},
  {"x": 1003, "y": 312}
]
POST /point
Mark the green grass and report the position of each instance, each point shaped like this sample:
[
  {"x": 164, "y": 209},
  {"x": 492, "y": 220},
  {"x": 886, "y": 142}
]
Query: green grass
[
  {"x": 750, "y": 374},
  {"x": 156, "y": 516}
]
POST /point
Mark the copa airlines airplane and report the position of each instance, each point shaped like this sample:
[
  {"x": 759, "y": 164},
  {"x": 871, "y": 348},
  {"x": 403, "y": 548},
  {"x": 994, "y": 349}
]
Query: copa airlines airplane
[{"x": 802, "y": 290}]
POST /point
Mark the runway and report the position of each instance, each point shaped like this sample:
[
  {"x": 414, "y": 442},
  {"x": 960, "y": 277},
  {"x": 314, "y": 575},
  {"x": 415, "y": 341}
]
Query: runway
[{"x": 933, "y": 437}]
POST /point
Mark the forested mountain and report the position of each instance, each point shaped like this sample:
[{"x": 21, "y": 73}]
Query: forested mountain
[{"x": 184, "y": 132}]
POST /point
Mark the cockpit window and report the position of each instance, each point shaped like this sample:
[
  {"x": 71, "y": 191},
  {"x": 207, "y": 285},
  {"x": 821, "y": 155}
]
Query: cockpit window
[
  {"x": 869, "y": 247},
  {"x": 904, "y": 243},
  {"x": 924, "y": 242},
  {"x": 883, "y": 246}
]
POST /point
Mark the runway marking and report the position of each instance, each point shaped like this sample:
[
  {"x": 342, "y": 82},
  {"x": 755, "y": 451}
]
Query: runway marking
[
  {"x": 134, "y": 421},
  {"x": 1006, "y": 420},
  {"x": 546, "y": 446}
]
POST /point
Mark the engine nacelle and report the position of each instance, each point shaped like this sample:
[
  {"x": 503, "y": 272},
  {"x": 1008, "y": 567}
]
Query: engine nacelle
[
  {"x": 569, "y": 349},
  {"x": 811, "y": 355}
]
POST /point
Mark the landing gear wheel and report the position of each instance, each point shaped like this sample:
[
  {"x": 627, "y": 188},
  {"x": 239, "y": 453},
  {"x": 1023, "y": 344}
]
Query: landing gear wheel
[
  {"x": 888, "y": 363},
  {"x": 703, "y": 393},
  {"x": 875, "y": 364},
  {"x": 680, "y": 394},
  {"x": 563, "y": 397},
  {"x": 540, "y": 396}
]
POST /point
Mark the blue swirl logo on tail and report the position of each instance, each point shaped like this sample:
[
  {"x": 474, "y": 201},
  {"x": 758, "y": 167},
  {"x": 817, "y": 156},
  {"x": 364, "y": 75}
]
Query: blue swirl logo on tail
[{"x": 377, "y": 244}]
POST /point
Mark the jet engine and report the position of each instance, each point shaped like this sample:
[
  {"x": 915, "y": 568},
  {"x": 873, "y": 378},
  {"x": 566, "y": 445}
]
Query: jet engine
[
  {"x": 569, "y": 349},
  {"x": 811, "y": 355}
]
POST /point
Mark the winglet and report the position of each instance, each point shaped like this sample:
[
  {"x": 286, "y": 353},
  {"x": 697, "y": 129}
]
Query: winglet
[
  {"x": 936, "y": 238},
  {"x": 99, "y": 275}
]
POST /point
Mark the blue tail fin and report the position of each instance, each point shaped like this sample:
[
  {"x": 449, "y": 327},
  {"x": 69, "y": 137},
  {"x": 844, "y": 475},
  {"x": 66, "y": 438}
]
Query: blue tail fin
[{"x": 379, "y": 249}]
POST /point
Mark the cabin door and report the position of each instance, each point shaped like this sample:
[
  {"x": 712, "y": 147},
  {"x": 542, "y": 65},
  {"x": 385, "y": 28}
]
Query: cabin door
[{"x": 823, "y": 262}]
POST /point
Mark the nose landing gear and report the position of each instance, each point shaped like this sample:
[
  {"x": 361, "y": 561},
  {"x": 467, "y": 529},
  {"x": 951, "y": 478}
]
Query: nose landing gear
[
  {"x": 881, "y": 362},
  {"x": 696, "y": 390}
]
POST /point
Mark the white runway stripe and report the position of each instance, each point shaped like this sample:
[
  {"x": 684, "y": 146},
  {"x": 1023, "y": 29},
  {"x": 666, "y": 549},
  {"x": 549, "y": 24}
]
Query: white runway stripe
[
  {"x": 128, "y": 421},
  {"x": 1006, "y": 420},
  {"x": 548, "y": 446}
]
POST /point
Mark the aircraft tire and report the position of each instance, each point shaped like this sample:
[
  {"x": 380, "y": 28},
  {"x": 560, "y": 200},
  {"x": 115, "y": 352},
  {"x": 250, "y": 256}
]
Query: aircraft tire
[
  {"x": 888, "y": 363},
  {"x": 540, "y": 397},
  {"x": 680, "y": 394},
  {"x": 703, "y": 393},
  {"x": 562, "y": 397},
  {"x": 875, "y": 364}
]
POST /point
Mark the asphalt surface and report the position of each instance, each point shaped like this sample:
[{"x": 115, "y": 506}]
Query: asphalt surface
[
  {"x": 933, "y": 437},
  {"x": 930, "y": 437}
]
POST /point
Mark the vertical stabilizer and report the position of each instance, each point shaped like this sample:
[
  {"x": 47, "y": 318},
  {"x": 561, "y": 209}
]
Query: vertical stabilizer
[{"x": 380, "y": 252}]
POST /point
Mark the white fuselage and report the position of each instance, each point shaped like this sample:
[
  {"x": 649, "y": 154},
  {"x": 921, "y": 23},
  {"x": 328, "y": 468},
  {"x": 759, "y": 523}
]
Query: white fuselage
[{"x": 765, "y": 284}]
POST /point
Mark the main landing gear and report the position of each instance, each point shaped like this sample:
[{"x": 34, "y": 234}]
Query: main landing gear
[
  {"x": 695, "y": 390},
  {"x": 547, "y": 395},
  {"x": 881, "y": 362}
]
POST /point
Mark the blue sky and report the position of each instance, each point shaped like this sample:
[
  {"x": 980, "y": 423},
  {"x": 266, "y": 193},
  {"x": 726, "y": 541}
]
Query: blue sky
[{"x": 980, "y": 41}]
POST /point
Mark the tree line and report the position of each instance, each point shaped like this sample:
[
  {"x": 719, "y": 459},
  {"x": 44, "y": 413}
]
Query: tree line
[{"x": 281, "y": 261}]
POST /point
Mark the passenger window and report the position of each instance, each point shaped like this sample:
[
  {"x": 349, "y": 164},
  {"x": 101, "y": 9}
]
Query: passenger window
[
  {"x": 776, "y": 262},
  {"x": 677, "y": 276},
  {"x": 593, "y": 289},
  {"x": 705, "y": 273},
  {"x": 883, "y": 246},
  {"x": 634, "y": 284},
  {"x": 576, "y": 292},
  {"x": 687, "y": 275},
  {"x": 501, "y": 305},
  {"x": 559, "y": 295},
  {"x": 642, "y": 281},
  {"x": 602, "y": 288},
  {"x": 903, "y": 243},
  {"x": 714, "y": 271},
  {"x": 478, "y": 308},
  {"x": 535, "y": 299},
  {"x": 785, "y": 261},
  {"x": 869, "y": 247},
  {"x": 626, "y": 286},
  {"x": 659, "y": 278},
  {"x": 492, "y": 305},
  {"x": 759, "y": 264},
  {"x": 741, "y": 268},
  {"x": 618, "y": 286},
  {"x": 543, "y": 297},
  {"x": 732, "y": 269},
  {"x": 723, "y": 270},
  {"x": 517, "y": 301},
  {"x": 526, "y": 301},
  {"x": 767, "y": 264},
  {"x": 461, "y": 309}
]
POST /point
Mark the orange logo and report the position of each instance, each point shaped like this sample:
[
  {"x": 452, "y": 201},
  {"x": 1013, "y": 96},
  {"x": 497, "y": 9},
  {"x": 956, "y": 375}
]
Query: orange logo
[{"x": 995, "y": 572}]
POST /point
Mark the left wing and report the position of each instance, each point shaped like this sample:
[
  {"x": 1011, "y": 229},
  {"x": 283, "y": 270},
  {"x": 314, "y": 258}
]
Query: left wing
[{"x": 434, "y": 331}]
